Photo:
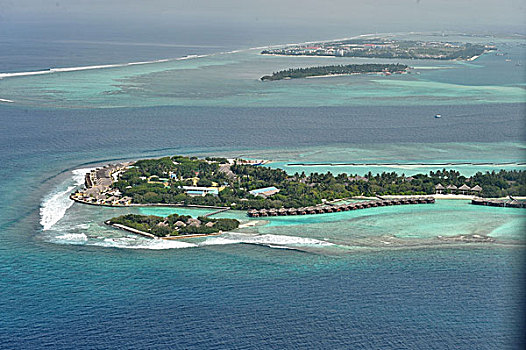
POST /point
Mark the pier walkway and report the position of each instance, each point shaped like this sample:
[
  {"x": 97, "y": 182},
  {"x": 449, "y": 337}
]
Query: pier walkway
[
  {"x": 504, "y": 203},
  {"x": 323, "y": 209}
]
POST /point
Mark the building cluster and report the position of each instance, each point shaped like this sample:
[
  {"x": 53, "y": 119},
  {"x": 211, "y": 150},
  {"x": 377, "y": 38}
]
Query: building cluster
[
  {"x": 462, "y": 190},
  {"x": 98, "y": 187}
]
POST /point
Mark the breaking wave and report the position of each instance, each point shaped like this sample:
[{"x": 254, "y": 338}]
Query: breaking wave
[
  {"x": 143, "y": 243},
  {"x": 55, "y": 205},
  {"x": 272, "y": 241},
  {"x": 75, "y": 69}
]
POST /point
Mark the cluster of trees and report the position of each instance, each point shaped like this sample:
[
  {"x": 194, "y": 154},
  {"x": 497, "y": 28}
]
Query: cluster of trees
[
  {"x": 175, "y": 225},
  {"x": 502, "y": 183},
  {"x": 141, "y": 182},
  {"x": 294, "y": 73},
  {"x": 298, "y": 190}
]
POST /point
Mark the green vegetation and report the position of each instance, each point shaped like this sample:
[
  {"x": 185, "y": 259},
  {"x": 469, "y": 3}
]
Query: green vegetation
[
  {"x": 161, "y": 181},
  {"x": 175, "y": 225},
  {"x": 295, "y": 73}
]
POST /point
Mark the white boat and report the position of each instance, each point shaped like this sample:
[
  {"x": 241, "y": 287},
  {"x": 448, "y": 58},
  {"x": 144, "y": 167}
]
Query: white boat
[{"x": 438, "y": 116}]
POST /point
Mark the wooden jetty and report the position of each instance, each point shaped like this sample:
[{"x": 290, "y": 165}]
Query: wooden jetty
[
  {"x": 323, "y": 209},
  {"x": 216, "y": 212},
  {"x": 504, "y": 203}
]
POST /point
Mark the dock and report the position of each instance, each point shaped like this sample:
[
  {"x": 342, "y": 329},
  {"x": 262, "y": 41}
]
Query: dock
[
  {"x": 324, "y": 209},
  {"x": 216, "y": 212},
  {"x": 503, "y": 203}
]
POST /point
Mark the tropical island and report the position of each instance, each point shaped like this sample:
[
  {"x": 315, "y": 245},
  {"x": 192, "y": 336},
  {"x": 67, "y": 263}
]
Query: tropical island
[
  {"x": 246, "y": 185},
  {"x": 385, "y": 48},
  {"x": 321, "y": 71},
  {"x": 172, "y": 226}
]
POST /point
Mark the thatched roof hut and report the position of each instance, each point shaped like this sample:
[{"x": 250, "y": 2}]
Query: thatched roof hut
[
  {"x": 476, "y": 188},
  {"x": 464, "y": 189}
]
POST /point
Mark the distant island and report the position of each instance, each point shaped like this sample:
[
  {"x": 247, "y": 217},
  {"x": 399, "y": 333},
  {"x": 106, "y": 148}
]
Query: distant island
[
  {"x": 386, "y": 48},
  {"x": 321, "y": 71}
]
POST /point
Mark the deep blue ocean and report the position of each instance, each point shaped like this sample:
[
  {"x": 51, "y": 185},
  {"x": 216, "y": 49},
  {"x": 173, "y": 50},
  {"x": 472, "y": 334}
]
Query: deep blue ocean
[{"x": 239, "y": 296}]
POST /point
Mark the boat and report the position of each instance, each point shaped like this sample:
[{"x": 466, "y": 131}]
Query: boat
[{"x": 438, "y": 116}]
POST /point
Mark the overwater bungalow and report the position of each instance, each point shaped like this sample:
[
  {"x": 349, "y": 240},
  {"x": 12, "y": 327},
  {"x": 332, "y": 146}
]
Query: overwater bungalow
[
  {"x": 273, "y": 212},
  {"x": 282, "y": 211},
  {"x": 319, "y": 210},
  {"x": 311, "y": 210},
  {"x": 478, "y": 201},
  {"x": 292, "y": 211},
  {"x": 514, "y": 204},
  {"x": 263, "y": 212}
]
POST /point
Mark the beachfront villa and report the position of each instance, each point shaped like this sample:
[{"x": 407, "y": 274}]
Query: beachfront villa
[
  {"x": 462, "y": 190},
  {"x": 452, "y": 189}
]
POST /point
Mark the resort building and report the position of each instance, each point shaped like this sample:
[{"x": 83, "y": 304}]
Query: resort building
[
  {"x": 464, "y": 189},
  {"x": 196, "y": 191},
  {"x": 439, "y": 189},
  {"x": 264, "y": 192},
  {"x": 476, "y": 190},
  {"x": 452, "y": 189}
]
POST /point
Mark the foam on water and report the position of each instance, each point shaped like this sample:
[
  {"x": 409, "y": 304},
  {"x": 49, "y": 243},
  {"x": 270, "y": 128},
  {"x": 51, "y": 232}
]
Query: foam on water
[
  {"x": 72, "y": 237},
  {"x": 142, "y": 243},
  {"x": 76, "y": 69},
  {"x": 55, "y": 205},
  {"x": 269, "y": 240}
]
